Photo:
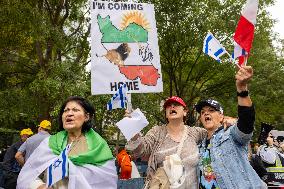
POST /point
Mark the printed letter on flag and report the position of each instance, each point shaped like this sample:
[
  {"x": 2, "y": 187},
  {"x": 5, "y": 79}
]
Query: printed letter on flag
[
  {"x": 245, "y": 31},
  {"x": 119, "y": 99},
  {"x": 212, "y": 47},
  {"x": 58, "y": 170}
]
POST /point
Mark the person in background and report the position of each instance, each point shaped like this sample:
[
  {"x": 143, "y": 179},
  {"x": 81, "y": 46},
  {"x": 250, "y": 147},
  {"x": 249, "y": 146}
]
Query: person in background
[
  {"x": 124, "y": 162},
  {"x": 161, "y": 142},
  {"x": 278, "y": 142},
  {"x": 3, "y": 152},
  {"x": 281, "y": 147},
  {"x": 255, "y": 147},
  {"x": 223, "y": 154},
  {"x": 272, "y": 159},
  {"x": 90, "y": 160},
  {"x": 255, "y": 160},
  {"x": 33, "y": 142},
  {"x": 11, "y": 168}
]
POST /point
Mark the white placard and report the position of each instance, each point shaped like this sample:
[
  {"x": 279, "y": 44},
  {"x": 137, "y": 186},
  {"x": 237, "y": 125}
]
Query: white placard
[{"x": 124, "y": 48}]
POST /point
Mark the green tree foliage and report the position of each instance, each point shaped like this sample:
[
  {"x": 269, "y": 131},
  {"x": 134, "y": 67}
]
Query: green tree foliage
[
  {"x": 44, "y": 50},
  {"x": 188, "y": 73}
]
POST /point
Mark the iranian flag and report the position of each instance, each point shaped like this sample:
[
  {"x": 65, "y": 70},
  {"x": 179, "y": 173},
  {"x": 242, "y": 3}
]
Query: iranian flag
[
  {"x": 245, "y": 31},
  {"x": 92, "y": 169}
]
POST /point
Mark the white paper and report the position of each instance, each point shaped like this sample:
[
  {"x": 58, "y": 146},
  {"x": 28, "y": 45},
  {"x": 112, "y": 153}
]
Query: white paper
[{"x": 131, "y": 126}]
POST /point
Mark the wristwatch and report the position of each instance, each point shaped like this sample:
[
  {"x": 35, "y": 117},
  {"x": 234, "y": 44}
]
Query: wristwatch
[{"x": 242, "y": 93}]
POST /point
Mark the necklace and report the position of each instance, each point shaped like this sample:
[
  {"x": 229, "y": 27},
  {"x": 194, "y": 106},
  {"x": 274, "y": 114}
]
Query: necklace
[
  {"x": 74, "y": 142},
  {"x": 76, "y": 138}
]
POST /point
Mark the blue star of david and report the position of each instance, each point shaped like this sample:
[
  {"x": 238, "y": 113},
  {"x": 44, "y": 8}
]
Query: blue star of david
[{"x": 56, "y": 163}]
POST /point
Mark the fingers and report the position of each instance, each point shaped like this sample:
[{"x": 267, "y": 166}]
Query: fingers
[
  {"x": 244, "y": 74},
  {"x": 229, "y": 121},
  {"x": 127, "y": 114}
]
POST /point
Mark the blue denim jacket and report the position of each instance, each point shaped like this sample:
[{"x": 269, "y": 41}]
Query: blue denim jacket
[{"x": 229, "y": 160}]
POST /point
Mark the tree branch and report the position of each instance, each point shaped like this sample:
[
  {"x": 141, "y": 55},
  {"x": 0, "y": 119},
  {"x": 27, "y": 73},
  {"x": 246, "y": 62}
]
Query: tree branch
[
  {"x": 39, "y": 53},
  {"x": 80, "y": 54}
]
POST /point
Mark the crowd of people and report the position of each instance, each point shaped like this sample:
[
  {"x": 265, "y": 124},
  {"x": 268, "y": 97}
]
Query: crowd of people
[{"x": 179, "y": 156}]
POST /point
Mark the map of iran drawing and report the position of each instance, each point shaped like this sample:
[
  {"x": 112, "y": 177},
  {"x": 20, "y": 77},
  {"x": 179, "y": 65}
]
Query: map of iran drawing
[{"x": 124, "y": 48}]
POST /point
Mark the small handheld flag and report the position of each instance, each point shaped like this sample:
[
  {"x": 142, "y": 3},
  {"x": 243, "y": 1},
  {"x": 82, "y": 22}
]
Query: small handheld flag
[
  {"x": 212, "y": 47},
  {"x": 119, "y": 99},
  {"x": 244, "y": 33},
  {"x": 239, "y": 53},
  {"x": 58, "y": 170}
]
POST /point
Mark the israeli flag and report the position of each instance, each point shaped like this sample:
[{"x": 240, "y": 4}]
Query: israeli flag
[
  {"x": 238, "y": 51},
  {"x": 58, "y": 170},
  {"x": 212, "y": 47},
  {"x": 119, "y": 99}
]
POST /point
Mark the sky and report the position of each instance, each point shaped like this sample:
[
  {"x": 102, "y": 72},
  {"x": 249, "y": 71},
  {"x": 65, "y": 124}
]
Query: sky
[{"x": 277, "y": 12}]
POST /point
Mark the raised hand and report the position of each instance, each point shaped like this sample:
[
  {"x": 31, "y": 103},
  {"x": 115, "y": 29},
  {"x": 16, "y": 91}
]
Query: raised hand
[{"x": 243, "y": 76}]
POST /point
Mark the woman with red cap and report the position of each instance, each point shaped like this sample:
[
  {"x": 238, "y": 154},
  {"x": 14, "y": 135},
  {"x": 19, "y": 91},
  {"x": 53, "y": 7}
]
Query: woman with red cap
[{"x": 172, "y": 148}]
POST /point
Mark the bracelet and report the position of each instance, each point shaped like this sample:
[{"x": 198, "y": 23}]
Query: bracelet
[{"x": 242, "y": 93}]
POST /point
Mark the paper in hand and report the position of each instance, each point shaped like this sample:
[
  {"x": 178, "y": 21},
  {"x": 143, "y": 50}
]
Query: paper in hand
[{"x": 129, "y": 126}]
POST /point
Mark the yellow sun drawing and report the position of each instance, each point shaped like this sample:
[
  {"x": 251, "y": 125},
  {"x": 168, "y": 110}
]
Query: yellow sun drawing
[{"x": 134, "y": 17}]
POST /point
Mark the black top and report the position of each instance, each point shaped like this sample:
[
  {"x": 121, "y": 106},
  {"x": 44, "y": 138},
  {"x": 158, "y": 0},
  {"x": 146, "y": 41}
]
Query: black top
[
  {"x": 9, "y": 162},
  {"x": 246, "y": 119}
]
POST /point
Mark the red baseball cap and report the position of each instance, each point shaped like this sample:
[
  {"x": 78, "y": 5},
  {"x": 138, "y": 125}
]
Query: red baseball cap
[{"x": 174, "y": 99}]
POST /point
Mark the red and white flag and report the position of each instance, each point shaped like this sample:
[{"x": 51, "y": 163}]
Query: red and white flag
[{"x": 245, "y": 31}]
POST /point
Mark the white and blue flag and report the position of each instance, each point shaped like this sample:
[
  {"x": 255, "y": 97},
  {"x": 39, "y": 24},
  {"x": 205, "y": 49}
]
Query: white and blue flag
[
  {"x": 212, "y": 47},
  {"x": 238, "y": 51},
  {"x": 58, "y": 170},
  {"x": 119, "y": 99}
]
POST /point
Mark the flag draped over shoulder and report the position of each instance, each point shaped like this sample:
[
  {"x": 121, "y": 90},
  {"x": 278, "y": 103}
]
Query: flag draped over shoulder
[
  {"x": 98, "y": 153},
  {"x": 213, "y": 47},
  {"x": 58, "y": 170},
  {"x": 93, "y": 169},
  {"x": 119, "y": 99},
  {"x": 244, "y": 33}
]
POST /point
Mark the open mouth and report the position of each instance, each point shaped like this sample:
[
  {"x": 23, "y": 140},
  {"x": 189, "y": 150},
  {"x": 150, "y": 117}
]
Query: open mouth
[
  {"x": 68, "y": 120},
  {"x": 207, "y": 118},
  {"x": 173, "y": 112}
]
